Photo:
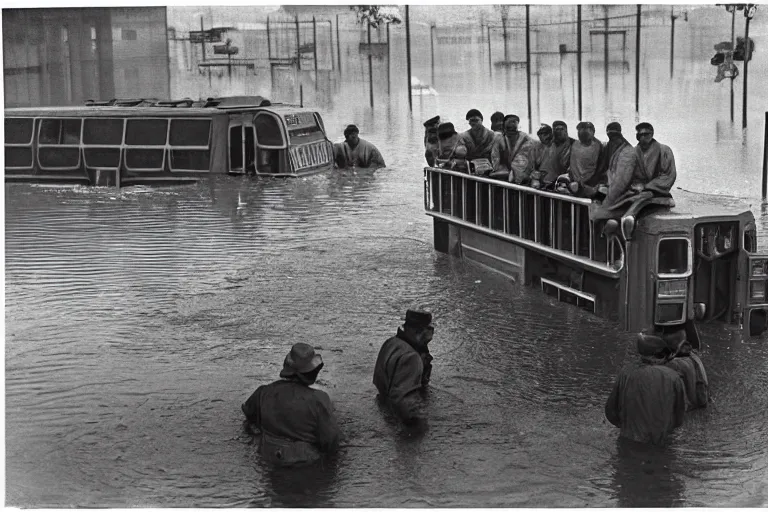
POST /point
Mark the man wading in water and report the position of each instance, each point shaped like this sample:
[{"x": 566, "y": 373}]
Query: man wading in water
[
  {"x": 297, "y": 422},
  {"x": 404, "y": 366}
]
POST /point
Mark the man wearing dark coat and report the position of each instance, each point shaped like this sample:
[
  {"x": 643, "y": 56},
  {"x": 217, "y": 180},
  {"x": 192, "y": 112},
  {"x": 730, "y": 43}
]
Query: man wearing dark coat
[
  {"x": 404, "y": 366},
  {"x": 685, "y": 362},
  {"x": 648, "y": 399},
  {"x": 297, "y": 423}
]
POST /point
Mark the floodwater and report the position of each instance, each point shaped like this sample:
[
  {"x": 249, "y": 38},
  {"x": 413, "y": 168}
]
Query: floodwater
[{"x": 138, "y": 321}]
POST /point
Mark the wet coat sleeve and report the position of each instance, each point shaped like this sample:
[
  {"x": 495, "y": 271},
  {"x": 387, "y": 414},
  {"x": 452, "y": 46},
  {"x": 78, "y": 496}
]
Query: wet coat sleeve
[
  {"x": 252, "y": 408},
  {"x": 521, "y": 166},
  {"x": 666, "y": 172},
  {"x": 620, "y": 173},
  {"x": 496, "y": 151},
  {"x": 406, "y": 383},
  {"x": 327, "y": 432}
]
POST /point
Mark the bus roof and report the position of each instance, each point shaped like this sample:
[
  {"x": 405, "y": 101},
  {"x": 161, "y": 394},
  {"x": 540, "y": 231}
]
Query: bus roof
[{"x": 698, "y": 207}]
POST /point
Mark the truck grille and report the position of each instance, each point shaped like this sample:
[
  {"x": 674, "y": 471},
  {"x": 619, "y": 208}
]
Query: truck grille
[{"x": 311, "y": 155}]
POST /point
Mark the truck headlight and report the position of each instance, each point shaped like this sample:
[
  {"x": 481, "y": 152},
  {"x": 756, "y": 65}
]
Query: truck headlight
[
  {"x": 672, "y": 288},
  {"x": 757, "y": 290}
]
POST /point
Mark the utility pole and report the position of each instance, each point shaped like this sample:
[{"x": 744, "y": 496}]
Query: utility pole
[
  {"x": 578, "y": 52},
  {"x": 202, "y": 38},
  {"x": 370, "y": 66},
  {"x": 637, "y": 65},
  {"x": 672, "y": 46},
  {"x": 747, "y": 56},
  {"x": 408, "y": 55},
  {"x": 298, "y": 44},
  {"x": 432, "y": 51},
  {"x": 314, "y": 46},
  {"x": 733, "y": 47},
  {"x": 528, "y": 62},
  {"x": 338, "y": 43}
]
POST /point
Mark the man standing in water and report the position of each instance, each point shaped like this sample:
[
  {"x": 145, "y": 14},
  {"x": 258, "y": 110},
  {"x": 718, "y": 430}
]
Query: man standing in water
[
  {"x": 648, "y": 400},
  {"x": 356, "y": 153},
  {"x": 690, "y": 368},
  {"x": 297, "y": 422},
  {"x": 404, "y": 366}
]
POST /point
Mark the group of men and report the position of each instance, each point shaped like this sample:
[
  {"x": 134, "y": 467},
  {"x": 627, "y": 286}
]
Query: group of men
[
  {"x": 586, "y": 167},
  {"x": 298, "y": 425}
]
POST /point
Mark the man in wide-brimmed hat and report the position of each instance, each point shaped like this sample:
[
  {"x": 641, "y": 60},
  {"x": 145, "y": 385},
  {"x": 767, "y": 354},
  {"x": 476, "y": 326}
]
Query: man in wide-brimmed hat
[
  {"x": 404, "y": 365},
  {"x": 297, "y": 422},
  {"x": 648, "y": 400},
  {"x": 690, "y": 368}
]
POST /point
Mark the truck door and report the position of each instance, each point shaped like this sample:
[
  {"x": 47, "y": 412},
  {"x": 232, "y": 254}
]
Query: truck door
[{"x": 756, "y": 301}]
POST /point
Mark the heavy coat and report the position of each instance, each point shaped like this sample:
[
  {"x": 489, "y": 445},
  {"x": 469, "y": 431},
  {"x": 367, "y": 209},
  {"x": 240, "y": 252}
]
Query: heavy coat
[
  {"x": 516, "y": 162},
  {"x": 647, "y": 402},
  {"x": 400, "y": 374},
  {"x": 694, "y": 377},
  {"x": 365, "y": 155},
  {"x": 479, "y": 143},
  {"x": 297, "y": 422},
  {"x": 655, "y": 169}
]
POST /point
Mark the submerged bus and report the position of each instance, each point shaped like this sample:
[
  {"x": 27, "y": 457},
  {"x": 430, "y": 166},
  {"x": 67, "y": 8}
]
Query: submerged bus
[
  {"x": 145, "y": 142},
  {"x": 694, "y": 262}
]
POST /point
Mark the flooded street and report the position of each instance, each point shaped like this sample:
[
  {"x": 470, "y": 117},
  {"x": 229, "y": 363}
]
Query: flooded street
[{"x": 138, "y": 321}]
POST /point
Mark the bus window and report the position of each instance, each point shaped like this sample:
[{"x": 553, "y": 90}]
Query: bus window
[
  {"x": 236, "y": 148},
  {"x": 190, "y": 144},
  {"x": 150, "y": 135},
  {"x": 53, "y": 134},
  {"x": 268, "y": 131},
  {"x": 18, "y": 130},
  {"x": 103, "y": 132},
  {"x": 673, "y": 256}
]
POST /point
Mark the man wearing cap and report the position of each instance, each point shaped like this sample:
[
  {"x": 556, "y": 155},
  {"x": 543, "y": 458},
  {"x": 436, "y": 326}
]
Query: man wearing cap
[
  {"x": 497, "y": 122},
  {"x": 478, "y": 139},
  {"x": 690, "y": 368},
  {"x": 655, "y": 169},
  {"x": 404, "y": 366},
  {"x": 539, "y": 150},
  {"x": 585, "y": 165},
  {"x": 648, "y": 399},
  {"x": 297, "y": 423},
  {"x": 431, "y": 140},
  {"x": 356, "y": 153},
  {"x": 510, "y": 156},
  {"x": 619, "y": 163},
  {"x": 557, "y": 158},
  {"x": 448, "y": 139}
]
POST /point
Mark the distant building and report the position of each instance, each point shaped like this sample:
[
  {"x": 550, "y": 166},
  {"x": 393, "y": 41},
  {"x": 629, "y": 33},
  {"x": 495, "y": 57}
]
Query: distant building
[{"x": 66, "y": 56}]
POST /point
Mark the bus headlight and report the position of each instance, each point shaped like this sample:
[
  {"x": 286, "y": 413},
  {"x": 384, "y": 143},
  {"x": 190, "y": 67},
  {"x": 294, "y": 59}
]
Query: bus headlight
[
  {"x": 668, "y": 289},
  {"x": 758, "y": 269},
  {"x": 757, "y": 290}
]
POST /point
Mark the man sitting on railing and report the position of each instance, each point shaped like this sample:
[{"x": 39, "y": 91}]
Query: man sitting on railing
[
  {"x": 556, "y": 158},
  {"x": 510, "y": 156},
  {"x": 355, "y": 152},
  {"x": 619, "y": 163},
  {"x": 450, "y": 155},
  {"x": 540, "y": 148},
  {"x": 584, "y": 172},
  {"x": 478, "y": 139}
]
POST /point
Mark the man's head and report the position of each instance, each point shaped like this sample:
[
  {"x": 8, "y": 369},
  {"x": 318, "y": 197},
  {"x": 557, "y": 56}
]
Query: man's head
[
  {"x": 545, "y": 134},
  {"x": 613, "y": 130},
  {"x": 475, "y": 118},
  {"x": 418, "y": 327},
  {"x": 497, "y": 121},
  {"x": 446, "y": 130},
  {"x": 302, "y": 364},
  {"x": 644, "y": 134},
  {"x": 677, "y": 342},
  {"x": 560, "y": 131},
  {"x": 650, "y": 345},
  {"x": 352, "y": 135},
  {"x": 586, "y": 131},
  {"x": 511, "y": 121},
  {"x": 430, "y": 128}
]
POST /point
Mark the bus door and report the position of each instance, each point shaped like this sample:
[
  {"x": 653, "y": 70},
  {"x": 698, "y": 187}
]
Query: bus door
[
  {"x": 242, "y": 145},
  {"x": 756, "y": 303}
]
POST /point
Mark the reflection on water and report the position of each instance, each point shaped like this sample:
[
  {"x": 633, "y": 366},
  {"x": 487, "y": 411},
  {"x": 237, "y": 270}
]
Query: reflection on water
[{"x": 138, "y": 321}]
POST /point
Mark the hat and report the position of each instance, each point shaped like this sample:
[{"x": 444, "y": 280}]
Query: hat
[
  {"x": 497, "y": 116},
  {"x": 474, "y": 113},
  {"x": 675, "y": 339},
  {"x": 510, "y": 116},
  {"x": 559, "y": 123},
  {"x": 650, "y": 345},
  {"x": 432, "y": 122},
  {"x": 417, "y": 318},
  {"x": 301, "y": 359},
  {"x": 351, "y": 128},
  {"x": 585, "y": 124},
  {"x": 545, "y": 128},
  {"x": 613, "y": 127},
  {"x": 640, "y": 126},
  {"x": 445, "y": 130}
]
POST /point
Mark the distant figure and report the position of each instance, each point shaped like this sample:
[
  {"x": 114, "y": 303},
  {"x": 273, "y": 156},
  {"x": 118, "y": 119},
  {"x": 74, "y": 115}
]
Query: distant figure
[
  {"x": 497, "y": 122},
  {"x": 557, "y": 159},
  {"x": 656, "y": 170},
  {"x": 297, "y": 423},
  {"x": 510, "y": 156},
  {"x": 690, "y": 368},
  {"x": 584, "y": 171},
  {"x": 404, "y": 366},
  {"x": 431, "y": 140},
  {"x": 478, "y": 139},
  {"x": 355, "y": 152},
  {"x": 648, "y": 400}
]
